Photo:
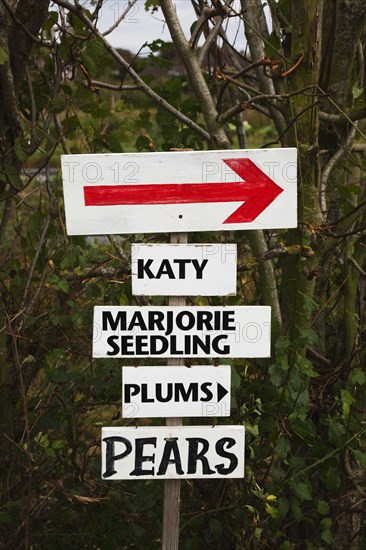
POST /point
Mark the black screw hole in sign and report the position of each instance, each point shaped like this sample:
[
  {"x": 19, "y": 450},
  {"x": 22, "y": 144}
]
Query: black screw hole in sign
[{"x": 180, "y": 216}]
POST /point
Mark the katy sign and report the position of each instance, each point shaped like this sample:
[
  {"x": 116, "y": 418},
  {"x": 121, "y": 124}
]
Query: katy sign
[
  {"x": 179, "y": 192},
  {"x": 184, "y": 269}
]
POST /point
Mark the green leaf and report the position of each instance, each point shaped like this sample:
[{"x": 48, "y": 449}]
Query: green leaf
[
  {"x": 12, "y": 175},
  {"x": 20, "y": 149},
  {"x": 336, "y": 433},
  {"x": 311, "y": 306},
  {"x": 273, "y": 45},
  {"x": 235, "y": 377},
  {"x": 63, "y": 286},
  {"x": 323, "y": 508},
  {"x": 95, "y": 48},
  {"x": 360, "y": 456},
  {"x": 5, "y": 518},
  {"x": 283, "y": 506},
  {"x": 278, "y": 373},
  {"x": 156, "y": 45},
  {"x": 3, "y": 56},
  {"x": 327, "y": 536},
  {"x": 308, "y": 336},
  {"x": 302, "y": 490},
  {"x": 357, "y": 91},
  {"x": 52, "y": 19},
  {"x": 325, "y": 526},
  {"x": 295, "y": 509},
  {"x": 305, "y": 429},
  {"x": 347, "y": 401},
  {"x": 283, "y": 447},
  {"x": 58, "y": 444},
  {"x": 88, "y": 62},
  {"x": 152, "y": 5},
  {"x": 278, "y": 476},
  {"x": 331, "y": 478},
  {"x": 216, "y": 528},
  {"x": 357, "y": 376}
]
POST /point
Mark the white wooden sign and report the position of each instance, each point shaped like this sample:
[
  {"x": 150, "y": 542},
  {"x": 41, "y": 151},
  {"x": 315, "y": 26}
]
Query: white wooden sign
[
  {"x": 184, "y": 269},
  {"x": 184, "y": 191},
  {"x": 179, "y": 452},
  {"x": 151, "y": 392},
  {"x": 196, "y": 331}
]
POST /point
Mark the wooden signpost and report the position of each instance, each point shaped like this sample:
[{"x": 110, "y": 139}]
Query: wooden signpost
[{"x": 176, "y": 193}]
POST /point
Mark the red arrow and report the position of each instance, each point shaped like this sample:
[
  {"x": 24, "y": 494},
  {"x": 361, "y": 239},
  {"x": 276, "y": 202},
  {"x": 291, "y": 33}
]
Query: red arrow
[{"x": 256, "y": 189}]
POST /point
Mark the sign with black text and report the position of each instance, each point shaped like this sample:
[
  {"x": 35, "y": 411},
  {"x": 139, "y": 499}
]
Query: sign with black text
[
  {"x": 183, "y": 269},
  {"x": 195, "y": 331},
  {"x": 173, "y": 452},
  {"x": 151, "y": 392}
]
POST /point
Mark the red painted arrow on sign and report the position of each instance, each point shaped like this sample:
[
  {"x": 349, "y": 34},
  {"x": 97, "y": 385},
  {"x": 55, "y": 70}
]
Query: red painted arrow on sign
[{"x": 257, "y": 190}]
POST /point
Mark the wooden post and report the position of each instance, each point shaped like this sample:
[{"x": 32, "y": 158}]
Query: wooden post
[{"x": 172, "y": 486}]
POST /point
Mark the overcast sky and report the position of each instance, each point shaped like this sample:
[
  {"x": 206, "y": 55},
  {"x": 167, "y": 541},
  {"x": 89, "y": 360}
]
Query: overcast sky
[{"x": 140, "y": 26}]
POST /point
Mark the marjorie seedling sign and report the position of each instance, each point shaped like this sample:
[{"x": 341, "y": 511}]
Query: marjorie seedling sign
[{"x": 196, "y": 331}]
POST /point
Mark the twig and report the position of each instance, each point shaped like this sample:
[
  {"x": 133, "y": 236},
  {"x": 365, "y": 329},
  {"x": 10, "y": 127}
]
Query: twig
[
  {"x": 118, "y": 248},
  {"x": 33, "y": 108},
  {"x": 357, "y": 266},
  {"x": 318, "y": 356},
  {"x": 304, "y": 251},
  {"x": 329, "y": 299},
  {"x": 343, "y": 114},
  {"x": 209, "y": 41},
  {"x": 61, "y": 134},
  {"x": 38, "y": 249},
  {"x": 343, "y": 118},
  {"x": 108, "y": 86},
  {"x": 129, "y": 5},
  {"x": 329, "y": 167}
]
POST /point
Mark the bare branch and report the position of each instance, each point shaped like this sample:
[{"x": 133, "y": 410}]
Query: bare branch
[
  {"x": 343, "y": 118},
  {"x": 108, "y": 86},
  {"x": 61, "y": 134},
  {"x": 195, "y": 76},
  {"x": 256, "y": 47},
  {"x": 209, "y": 41},
  {"x": 329, "y": 167},
  {"x": 358, "y": 267},
  {"x": 138, "y": 80},
  {"x": 37, "y": 253},
  {"x": 129, "y": 5}
]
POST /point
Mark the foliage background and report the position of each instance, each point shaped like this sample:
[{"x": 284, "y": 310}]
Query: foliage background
[{"x": 64, "y": 88}]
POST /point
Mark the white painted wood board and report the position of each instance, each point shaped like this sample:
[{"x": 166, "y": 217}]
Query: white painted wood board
[
  {"x": 167, "y": 391},
  {"x": 167, "y": 452},
  {"x": 184, "y": 269},
  {"x": 180, "y": 191},
  {"x": 192, "y": 331}
]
